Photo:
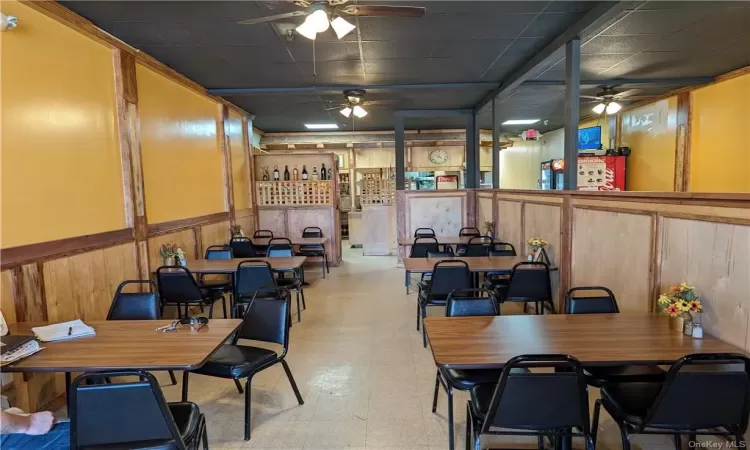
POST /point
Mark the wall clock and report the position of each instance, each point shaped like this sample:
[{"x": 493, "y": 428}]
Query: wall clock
[{"x": 438, "y": 156}]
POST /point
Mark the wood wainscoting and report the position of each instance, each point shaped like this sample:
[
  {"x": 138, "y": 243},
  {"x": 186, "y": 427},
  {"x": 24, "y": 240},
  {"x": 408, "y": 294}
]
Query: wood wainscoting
[{"x": 638, "y": 244}]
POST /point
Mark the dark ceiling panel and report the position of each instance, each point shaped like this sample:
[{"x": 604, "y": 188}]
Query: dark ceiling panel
[
  {"x": 657, "y": 22},
  {"x": 547, "y": 24}
]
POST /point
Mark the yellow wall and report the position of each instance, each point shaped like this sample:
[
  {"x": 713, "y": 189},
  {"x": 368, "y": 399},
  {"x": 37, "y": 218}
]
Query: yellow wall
[
  {"x": 520, "y": 165},
  {"x": 651, "y": 133},
  {"x": 182, "y": 162},
  {"x": 720, "y": 138},
  {"x": 60, "y": 153},
  {"x": 239, "y": 164}
]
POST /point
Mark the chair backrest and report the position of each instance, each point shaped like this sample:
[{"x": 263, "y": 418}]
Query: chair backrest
[
  {"x": 133, "y": 414},
  {"x": 540, "y": 401},
  {"x": 267, "y": 320},
  {"x": 703, "y": 391},
  {"x": 590, "y": 304},
  {"x": 448, "y": 254},
  {"x": 449, "y": 275},
  {"x": 310, "y": 232},
  {"x": 529, "y": 282},
  {"x": 471, "y": 302},
  {"x": 424, "y": 232},
  {"x": 135, "y": 305},
  {"x": 242, "y": 247},
  {"x": 280, "y": 248},
  {"x": 176, "y": 284},
  {"x": 422, "y": 246},
  {"x": 502, "y": 249},
  {"x": 253, "y": 275},
  {"x": 479, "y": 246},
  {"x": 469, "y": 231},
  {"x": 219, "y": 252},
  {"x": 263, "y": 234}
]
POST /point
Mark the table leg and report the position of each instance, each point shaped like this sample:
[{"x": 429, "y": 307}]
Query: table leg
[
  {"x": 67, "y": 390},
  {"x": 406, "y": 281}
]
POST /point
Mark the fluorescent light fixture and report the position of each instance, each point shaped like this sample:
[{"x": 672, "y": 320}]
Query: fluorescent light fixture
[
  {"x": 613, "y": 108},
  {"x": 306, "y": 30},
  {"x": 359, "y": 111},
  {"x": 599, "y": 108},
  {"x": 520, "y": 121},
  {"x": 318, "y": 21},
  {"x": 346, "y": 111},
  {"x": 341, "y": 27},
  {"x": 321, "y": 126}
]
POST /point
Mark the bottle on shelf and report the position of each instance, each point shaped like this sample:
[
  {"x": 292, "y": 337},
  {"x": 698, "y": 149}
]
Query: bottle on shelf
[
  {"x": 286, "y": 173},
  {"x": 315, "y": 173},
  {"x": 330, "y": 174},
  {"x": 381, "y": 174},
  {"x": 295, "y": 173},
  {"x": 323, "y": 172},
  {"x": 304, "y": 172},
  {"x": 275, "y": 173},
  {"x": 265, "y": 173}
]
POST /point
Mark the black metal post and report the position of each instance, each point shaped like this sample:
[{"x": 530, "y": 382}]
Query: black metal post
[
  {"x": 495, "y": 146},
  {"x": 572, "y": 113},
  {"x": 400, "y": 153},
  {"x": 472, "y": 153}
]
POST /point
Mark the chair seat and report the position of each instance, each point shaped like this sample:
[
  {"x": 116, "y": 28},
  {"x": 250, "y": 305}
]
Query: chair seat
[
  {"x": 599, "y": 376},
  {"x": 237, "y": 361},
  {"x": 215, "y": 284},
  {"x": 481, "y": 395},
  {"x": 187, "y": 416},
  {"x": 432, "y": 299},
  {"x": 288, "y": 282},
  {"x": 466, "y": 379},
  {"x": 629, "y": 401},
  {"x": 310, "y": 253}
]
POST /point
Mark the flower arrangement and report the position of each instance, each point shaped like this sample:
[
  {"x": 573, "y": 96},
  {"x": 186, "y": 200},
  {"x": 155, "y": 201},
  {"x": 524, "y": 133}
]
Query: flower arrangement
[
  {"x": 168, "y": 250},
  {"x": 680, "y": 299},
  {"x": 236, "y": 230},
  {"x": 536, "y": 243},
  {"x": 489, "y": 227}
]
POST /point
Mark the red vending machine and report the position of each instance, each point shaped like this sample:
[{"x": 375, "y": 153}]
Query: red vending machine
[{"x": 601, "y": 173}]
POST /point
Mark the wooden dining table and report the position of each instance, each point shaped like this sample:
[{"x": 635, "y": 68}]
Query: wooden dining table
[
  {"x": 499, "y": 264},
  {"x": 295, "y": 240},
  {"x": 451, "y": 240},
  {"x": 228, "y": 266}
]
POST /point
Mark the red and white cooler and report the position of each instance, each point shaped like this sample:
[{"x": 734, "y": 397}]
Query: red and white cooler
[{"x": 601, "y": 173}]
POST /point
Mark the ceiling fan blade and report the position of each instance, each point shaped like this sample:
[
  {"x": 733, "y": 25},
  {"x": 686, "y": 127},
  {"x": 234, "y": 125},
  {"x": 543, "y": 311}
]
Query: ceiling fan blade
[
  {"x": 331, "y": 108},
  {"x": 592, "y": 97},
  {"x": 379, "y": 102},
  {"x": 273, "y": 18},
  {"x": 384, "y": 11}
]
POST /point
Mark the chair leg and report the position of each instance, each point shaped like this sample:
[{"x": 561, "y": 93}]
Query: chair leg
[
  {"x": 299, "y": 311},
  {"x": 323, "y": 266},
  {"x": 540, "y": 443},
  {"x": 205, "y": 435},
  {"x": 468, "y": 426},
  {"x": 239, "y": 385},
  {"x": 302, "y": 294},
  {"x": 185, "y": 376},
  {"x": 677, "y": 442},
  {"x": 224, "y": 305},
  {"x": 291, "y": 381},
  {"x": 595, "y": 421},
  {"x": 435, "y": 396},
  {"x": 248, "y": 408},
  {"x": 211, "y": 310},
  {"x": 625, "y": 437},
  {"x": 406, "y": 282},
  {"x": 450, "y": 419},
  {"x": 424, "y": 333},
  {"x": 172, "y": 377},
  {"x": 417, "y": 315}
]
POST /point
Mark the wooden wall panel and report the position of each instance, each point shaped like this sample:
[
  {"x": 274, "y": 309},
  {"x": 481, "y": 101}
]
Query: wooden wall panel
[
  {"x": 185, "y": 239},
  {"x": 81, "y": 286},
  {"x": 246, "y": 221},
  {"x": 613, "y": 249},
  {"x": 7, "y": 304},
  {"x": 272, "y": 219},
  {"x": 29, "y": 285},
  {"x": 446, "y": 213},
  {"x": 542, "y": 221},
  {"x": 484, "y": 212},
  {"x": 215, "y": 234},
  {"x": 509, "y": 224},
  {"x": 299, "y": 218},
  {"x": 714, "y": 258}
]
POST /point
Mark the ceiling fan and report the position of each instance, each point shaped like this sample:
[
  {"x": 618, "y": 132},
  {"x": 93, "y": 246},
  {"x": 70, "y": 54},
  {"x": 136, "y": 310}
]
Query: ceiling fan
[
  {"x": 320, "y": 14},
  {"x": 608, "y": 100},
  {"x": 354, "y": 103}
]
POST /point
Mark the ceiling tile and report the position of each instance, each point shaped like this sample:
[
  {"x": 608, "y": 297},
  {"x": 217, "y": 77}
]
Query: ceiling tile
[
  {"x": 302, "y": 51},
  {"x": 657, "y": 22},
  {"x": 551, "y": 24}
]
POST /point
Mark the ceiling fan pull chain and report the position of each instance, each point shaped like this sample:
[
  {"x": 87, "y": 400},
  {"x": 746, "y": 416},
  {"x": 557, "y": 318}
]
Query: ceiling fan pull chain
[{"x": 315, "y": 70}]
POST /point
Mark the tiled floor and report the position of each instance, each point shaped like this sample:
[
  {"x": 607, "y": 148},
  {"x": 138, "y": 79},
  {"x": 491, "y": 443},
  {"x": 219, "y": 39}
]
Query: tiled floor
[{"x": 359, "y": 363}]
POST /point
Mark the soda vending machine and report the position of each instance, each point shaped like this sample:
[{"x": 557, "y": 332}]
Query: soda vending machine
[
  {"x": 601, "y": 173},
  {"x": 552, "y": 175}
]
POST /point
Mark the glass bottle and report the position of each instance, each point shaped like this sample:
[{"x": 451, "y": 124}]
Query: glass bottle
[
  {"x": 315, "y": 173},
  {"x": 295, "y": 173},
  {"x": 286, "y": 173},
  {"x": 330, "y": 173},
  {"x": 265, "y": 173},
  {"x": 275, "y": 173},
  {"x": 304, "y": 172},
  {"x": 323, "y": 172}
]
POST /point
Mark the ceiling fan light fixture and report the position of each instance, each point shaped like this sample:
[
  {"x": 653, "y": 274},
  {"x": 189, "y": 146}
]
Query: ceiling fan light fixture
[
  {"x": 342, "y": 27},
  {"x": 599, "y": 108},
  {"x": 613, "y": 108},
  {"x": 347, "y": 111},
  {"x": 318, "y": 21},
  {"x": 359, "y": 111},
  {"x": 306, "y": 30}
]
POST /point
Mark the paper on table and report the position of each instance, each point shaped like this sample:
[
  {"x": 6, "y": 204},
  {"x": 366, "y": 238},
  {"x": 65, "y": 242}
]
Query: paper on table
[
  {"x": 61, "y": 331},
  {"x": 21, "y": 352}
]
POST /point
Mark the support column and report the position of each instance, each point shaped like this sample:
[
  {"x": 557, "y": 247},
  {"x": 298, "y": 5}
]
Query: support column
[
  {"x": 472, "y": 152},
  {"x": 572, "y": 113},
  {"x": 495, "y": 146},
  {"x": 400, "y": 153}
]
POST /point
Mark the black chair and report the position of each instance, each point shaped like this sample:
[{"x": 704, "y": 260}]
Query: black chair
[
  {"x": 266, "y": 320},
  {"x": 704, "y": 394},
  {"x": 419, "y": 249},
  {"x": 136, "y": 305},
  {"x": 131, "y": 414},
  {"x": 466, "y": 232},
  {"x": 600, "y": 300},
  {"x": 478, "y": 246},
  {"x": 529, "y": 283},
  {"x": 502, "y": 249},
  {"x": 222, "y": 283},
  {"x": 178, "y": 287},
  {"x": 424, "y": 232},
  {"x": 493, "y": 280},
  {"x": 463, "y": 303},
  {"x": 254, "y": 278},
  {"x": 282, "y": 248},
  {"x": 242, "y": 247},
  {"x": 447, "y": 276},
  {"x": 522, "y": 403},
  {"x": 314, "y": 250},
  {"x": 260, "y": 249}
]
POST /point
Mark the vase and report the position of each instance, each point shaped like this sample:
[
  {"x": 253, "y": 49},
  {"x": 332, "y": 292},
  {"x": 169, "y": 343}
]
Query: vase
[
  {"x": 169, "y": 261},
  {"x": 677, "y": 324}
]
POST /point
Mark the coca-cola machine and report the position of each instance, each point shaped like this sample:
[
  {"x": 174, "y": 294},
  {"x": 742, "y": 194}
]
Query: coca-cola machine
[{"x": 601, "y": 173}]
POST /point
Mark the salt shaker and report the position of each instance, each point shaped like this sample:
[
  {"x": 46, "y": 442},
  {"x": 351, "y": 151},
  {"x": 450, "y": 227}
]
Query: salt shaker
[{"x": 697, "y": 331}]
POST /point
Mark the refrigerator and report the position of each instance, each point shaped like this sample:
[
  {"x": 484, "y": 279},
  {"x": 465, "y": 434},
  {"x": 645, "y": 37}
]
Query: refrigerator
[
  {"x": 552, "y": 175},
  {"x": 601, "y": 173},
  {"x": 446, "y": 181}
]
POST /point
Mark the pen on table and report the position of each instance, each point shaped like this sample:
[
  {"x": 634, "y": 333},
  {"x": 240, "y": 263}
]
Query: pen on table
[{"x": 70, "y": 331}]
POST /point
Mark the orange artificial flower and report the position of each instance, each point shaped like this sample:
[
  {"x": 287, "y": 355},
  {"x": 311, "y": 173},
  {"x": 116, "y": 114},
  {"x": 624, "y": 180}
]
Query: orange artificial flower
[
  {"x": 674, "y": 288},
  {"x": 673, "y": 310},
  {"x": 695, "y": 306}
]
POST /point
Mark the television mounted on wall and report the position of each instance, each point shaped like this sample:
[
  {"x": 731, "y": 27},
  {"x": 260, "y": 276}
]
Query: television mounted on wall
[{"x": 590, "y": 138}]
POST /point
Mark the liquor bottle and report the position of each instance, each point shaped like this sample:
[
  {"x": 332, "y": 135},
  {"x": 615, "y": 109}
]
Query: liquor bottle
[
  {"x": 315, "y": 173},
  {"x": 323, "y": 172},
  {"x": 381, "y": 174},
  {"x": 304, "y": 172},
  {"x": 295, "y": 173},
  {"x": 265, "y": 173},
  {"x": 275, "y": 173},
  {"x": 286, "y": 173},
  {"x": 330, "y": 174}
]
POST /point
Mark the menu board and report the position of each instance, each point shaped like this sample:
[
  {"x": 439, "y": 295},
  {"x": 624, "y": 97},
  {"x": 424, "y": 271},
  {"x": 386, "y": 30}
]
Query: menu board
[{"x": 592, "y": 173}]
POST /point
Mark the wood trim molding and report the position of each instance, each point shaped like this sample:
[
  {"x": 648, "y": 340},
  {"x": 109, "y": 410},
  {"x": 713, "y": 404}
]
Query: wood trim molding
[
  {"x": 534, "y": 202},
  {"x": 682, "y": 145},
  {"x": 565, "y": 258},
  {"x": 705, "y": 218},
  {"x": 226, "y": 151},
  {"x": 156, "y": 229},
  {"x": 656, "y": 259},
  {"x": 245, "y": 212},
  {"x": 25, "y": 254},
  {"x": 614, "y": 210}
]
